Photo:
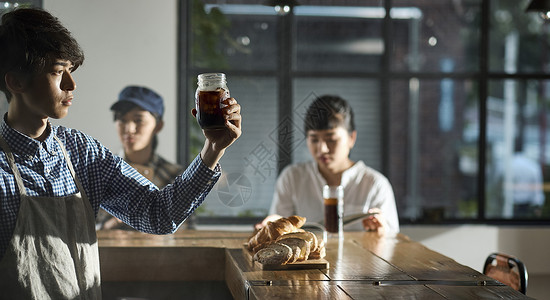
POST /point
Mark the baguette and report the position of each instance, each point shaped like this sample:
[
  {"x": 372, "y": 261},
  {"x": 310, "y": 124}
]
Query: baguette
[{"x": 269, "y": 233}]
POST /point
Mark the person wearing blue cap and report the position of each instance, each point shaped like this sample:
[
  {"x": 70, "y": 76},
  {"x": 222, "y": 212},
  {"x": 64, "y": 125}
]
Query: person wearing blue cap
[
  {"x": 138, "y": 114},
  {"x": 54, "y": 179}
]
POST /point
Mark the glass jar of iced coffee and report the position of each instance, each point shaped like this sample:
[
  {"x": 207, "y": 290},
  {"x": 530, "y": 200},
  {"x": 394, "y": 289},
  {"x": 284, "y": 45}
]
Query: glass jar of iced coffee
[{"x": 211, "y": 91}]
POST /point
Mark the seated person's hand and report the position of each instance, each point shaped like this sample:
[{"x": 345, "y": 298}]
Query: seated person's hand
[
  {"x": 267, "y": 219},
  {"x": 375, "y": 222}
]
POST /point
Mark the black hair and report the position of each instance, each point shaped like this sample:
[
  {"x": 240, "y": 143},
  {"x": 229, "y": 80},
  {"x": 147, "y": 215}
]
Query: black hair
[
  {"x": 29, "y": 39},
  {"x": 123, "y": 107},
  {"x": 329, "y": 112}
]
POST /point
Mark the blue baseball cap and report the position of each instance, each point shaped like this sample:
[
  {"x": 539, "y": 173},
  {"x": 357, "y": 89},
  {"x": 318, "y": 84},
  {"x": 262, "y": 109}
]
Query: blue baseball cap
[{"x": 142, "y": 97}]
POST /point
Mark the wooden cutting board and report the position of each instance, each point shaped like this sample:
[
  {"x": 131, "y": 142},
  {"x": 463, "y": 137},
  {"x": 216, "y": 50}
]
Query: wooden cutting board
[{"x": 299, "y": 265}]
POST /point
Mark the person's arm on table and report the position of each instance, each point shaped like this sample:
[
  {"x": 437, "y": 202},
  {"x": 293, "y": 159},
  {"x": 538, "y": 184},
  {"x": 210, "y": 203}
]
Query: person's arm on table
[{"x": 383, "y": 204}]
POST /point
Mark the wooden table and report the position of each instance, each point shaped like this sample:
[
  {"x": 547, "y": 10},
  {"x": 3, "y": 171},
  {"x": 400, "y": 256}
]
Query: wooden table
[
  {"x": 366, "y": 266},
  {"x": 362, "y": 266}
]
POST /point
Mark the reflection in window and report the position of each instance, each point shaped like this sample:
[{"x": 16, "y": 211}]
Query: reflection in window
[
  {"x": 234, "y": 36},
  {"x": 343, "y": 38},
  {"x": 433, "y": 148},
  {"x": 425, "y": 33},
  {"x": 517, "y": 144},
  {"x": 518, "y": 40}
]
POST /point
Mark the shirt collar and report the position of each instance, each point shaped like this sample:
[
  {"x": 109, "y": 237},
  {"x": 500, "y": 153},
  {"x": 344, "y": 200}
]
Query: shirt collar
[
  {"x": 350, "y": 173},
  {"x": 347, "y": 175},
  {"x": 23, "y": 144}
]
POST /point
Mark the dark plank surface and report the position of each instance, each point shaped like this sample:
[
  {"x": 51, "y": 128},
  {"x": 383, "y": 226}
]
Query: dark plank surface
[
  {"x": 414, "y": 259},
  {"x": 307, "y": 290},
  {"x": 478, "y": 292},
  {"x": 369, "y": 291},
  {"x": 350, "y": 261}
]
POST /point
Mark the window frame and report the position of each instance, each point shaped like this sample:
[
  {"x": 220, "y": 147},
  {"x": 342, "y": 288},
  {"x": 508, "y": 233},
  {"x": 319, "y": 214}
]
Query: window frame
[{"x": 286, "y": 74}]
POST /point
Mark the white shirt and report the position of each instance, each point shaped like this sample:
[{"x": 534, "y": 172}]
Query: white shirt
[{"x": 299, "y": 191}]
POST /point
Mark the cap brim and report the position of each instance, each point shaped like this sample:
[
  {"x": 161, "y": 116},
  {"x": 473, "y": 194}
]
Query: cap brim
[{"x": 116, "y": 106}]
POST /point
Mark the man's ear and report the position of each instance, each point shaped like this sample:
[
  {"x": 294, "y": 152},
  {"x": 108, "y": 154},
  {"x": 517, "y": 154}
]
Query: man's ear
[
  {"x": 14, "y": 83},
  {"x": 353, "y": 139}
]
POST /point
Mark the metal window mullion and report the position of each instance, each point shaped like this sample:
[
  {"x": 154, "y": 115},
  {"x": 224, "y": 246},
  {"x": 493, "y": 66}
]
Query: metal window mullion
[
  {"x": 182, "y": 130},
  {"x": 385, "y": 89},
  {"x": 285, "y": 136},
  {"x": 483, "y": 92}
]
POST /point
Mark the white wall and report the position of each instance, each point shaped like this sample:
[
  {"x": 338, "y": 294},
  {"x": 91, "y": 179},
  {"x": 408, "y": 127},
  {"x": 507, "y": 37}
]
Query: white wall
[
  {"x": 471, "y": 244},
  {"x": 125, "y": 42}
]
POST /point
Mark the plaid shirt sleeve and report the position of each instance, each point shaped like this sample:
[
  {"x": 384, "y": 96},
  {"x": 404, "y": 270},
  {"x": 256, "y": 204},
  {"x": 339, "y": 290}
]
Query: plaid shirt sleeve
[{"x": 114, "y": 185}]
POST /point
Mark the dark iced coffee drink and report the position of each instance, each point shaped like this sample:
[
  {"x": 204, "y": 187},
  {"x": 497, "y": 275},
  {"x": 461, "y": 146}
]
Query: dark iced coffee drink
[{"x": 209, "y": 108}]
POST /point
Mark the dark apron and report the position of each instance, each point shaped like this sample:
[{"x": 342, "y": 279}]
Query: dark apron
[{"x": 53, "y": 253}]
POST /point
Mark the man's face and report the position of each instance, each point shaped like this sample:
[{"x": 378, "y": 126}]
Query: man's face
[
  {"x": 136, "y": 129},
  {"x": 50, "y": 91},
  {"x": 330, "y": 148}
]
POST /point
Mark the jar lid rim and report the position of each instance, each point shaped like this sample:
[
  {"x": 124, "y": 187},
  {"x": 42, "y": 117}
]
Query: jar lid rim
[{"x": 211, "y": 76}]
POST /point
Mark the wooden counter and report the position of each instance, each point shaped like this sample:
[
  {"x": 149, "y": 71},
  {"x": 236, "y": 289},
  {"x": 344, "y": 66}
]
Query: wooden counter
[
  {"x": 362, "y": 266},
  {"x": 187, "y": 255}
]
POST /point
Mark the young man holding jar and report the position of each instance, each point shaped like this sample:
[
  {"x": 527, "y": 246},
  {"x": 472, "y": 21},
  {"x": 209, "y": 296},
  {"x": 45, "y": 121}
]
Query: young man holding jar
[{"x": 54, "y": 179}]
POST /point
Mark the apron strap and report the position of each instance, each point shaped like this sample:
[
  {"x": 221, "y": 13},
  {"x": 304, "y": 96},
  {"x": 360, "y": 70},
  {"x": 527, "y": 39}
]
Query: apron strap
[
  {"x": 11, "y": 160},
  {"x": 70, "y": 165},
  {"x": 15, "y": 170}
]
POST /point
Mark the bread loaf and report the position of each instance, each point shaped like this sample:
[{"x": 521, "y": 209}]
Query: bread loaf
[
  {"x": 261, "y": 246},
  {"x": 319, "y": 253},
  {"x": 296, "y": 251},
  {"x": 300, "y": 247},
  {"x": 274, "y": 254},
  {"x": 269, "y": 233},
  {"x": 305, "y": 235}
]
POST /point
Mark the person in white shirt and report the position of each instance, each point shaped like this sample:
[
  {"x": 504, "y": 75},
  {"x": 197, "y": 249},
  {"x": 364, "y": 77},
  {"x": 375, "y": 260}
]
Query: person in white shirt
[{"x": 330, "y": 134}]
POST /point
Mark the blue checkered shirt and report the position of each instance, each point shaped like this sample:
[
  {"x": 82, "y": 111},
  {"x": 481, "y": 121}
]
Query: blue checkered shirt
[{"x": 108, "y": 182}]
